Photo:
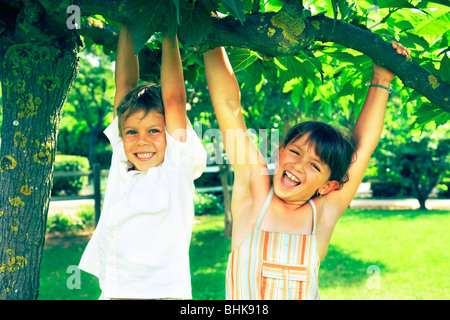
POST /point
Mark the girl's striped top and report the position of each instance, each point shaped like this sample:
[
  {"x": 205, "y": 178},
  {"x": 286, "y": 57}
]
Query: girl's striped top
[{"x": 274, "y": 265}]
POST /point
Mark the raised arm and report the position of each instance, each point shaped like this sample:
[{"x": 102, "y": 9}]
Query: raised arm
[
  {"x": 226, "y": 99},
  {"x": 367, "y": 131},
  {"x": 127, "y": 66},
  {"x": 173, "y": 89},
  {"x": 225, "y": 96},
  {"x": 251, "y": 179}
]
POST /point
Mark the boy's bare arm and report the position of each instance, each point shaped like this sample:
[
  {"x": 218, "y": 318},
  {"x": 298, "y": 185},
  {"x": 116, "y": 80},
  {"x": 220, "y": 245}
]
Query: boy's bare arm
[
  {"x": 127, "y": 66},
  {"x": 173, "y": 89}
]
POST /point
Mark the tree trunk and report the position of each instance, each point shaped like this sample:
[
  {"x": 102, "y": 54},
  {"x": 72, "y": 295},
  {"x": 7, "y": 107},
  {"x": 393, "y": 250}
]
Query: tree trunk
[
  {"x": 224, "y": 170},
  {"x": 421, "y": 194},
  {"x": 93, "y": 135},
  {"x": 422, "y": 201},
  {"x": 424, "y": 186},
  {"x": 36, "y": 79}
]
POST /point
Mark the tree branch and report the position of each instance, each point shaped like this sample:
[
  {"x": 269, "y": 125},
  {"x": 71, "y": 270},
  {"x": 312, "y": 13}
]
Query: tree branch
[
  {"x": 412, "y": 75},
  {"x": 286, "y": 33},
  {"x": 276, "y": 34}
]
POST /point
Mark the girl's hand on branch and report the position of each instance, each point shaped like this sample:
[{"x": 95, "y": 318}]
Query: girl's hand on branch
[{"x": 383, "y": 74}]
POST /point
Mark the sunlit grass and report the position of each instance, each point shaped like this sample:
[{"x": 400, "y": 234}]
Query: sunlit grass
[{"x": 407, "y": 249}]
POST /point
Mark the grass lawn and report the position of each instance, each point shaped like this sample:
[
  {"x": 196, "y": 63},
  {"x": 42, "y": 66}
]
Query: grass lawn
[{"x": 374, "y": 254}]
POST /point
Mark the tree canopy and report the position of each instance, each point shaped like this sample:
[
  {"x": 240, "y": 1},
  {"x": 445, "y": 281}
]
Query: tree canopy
[{"x": 289, "y": 33}]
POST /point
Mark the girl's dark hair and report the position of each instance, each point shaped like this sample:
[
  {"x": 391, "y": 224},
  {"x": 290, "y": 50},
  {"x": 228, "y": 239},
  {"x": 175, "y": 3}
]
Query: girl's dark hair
[
  {"x": 146, "y": 97},
  {"x": 331, "y": 145}
]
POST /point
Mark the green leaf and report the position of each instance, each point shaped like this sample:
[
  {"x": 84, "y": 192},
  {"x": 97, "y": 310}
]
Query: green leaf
[
  {"x": 290, "y": 67},
  {"x": 252, "y": 76},
  {"x": 146, "y": 22},
  {"x": 279, "y": 64},
  {"x": 333, "y": 5},
  {"x": 356, "y": 59},
  {"x": 248, "y": 5},
  {"x": 236, "y": 8},
  {"x": 425, "y": 3},
  {"x": 412, "y": 40},
  {"x": 308, "y": 55},
  {"x": 343, "y": 8},
  {"x": 171, "y": 18},
  {"x": 444, "y": 70},
  {"x": 414, "y": 95},
  {"x": 177, "y": 6},
  {"x": 241, "y": 58},
  {"x": 403, "y": 25},
  {"x": 296, "y": 95},
  {"x": 274, "y": 5},
  {"x": 394, "y": 4},
  {"x": 191, "y": 74},
  {"x": 428, "y": 112},
  {"x": 195, "y": 24},
  {"x": 347, "y": 89},
  {"x": 437, "y": 23}
]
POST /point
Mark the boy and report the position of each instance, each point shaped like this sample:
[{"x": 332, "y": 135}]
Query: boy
[{"x": 140, "y": 248}]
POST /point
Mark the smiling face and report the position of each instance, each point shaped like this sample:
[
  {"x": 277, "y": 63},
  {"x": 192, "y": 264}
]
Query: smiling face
[
  {"x": 300, "y": 173},
  {"x": 144, "y": 139}
]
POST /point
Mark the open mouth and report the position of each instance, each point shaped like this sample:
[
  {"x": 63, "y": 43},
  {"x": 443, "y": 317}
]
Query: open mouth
[
  {"x": 144, "y": 155},
  {"x": 289, "y": 180}
]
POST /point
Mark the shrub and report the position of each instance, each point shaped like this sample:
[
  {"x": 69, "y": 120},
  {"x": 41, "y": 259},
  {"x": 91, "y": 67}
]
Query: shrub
[
  {"x": 208, "y": 179},
  {"x": 390, "y": 189},
  {"x": 61, "y": 222},
  {"x": 206, "y": 203},
  {"x": 69, "y": 185},
  {"x": 418, "y": 164},
  {"x": 444, "y": 190}
]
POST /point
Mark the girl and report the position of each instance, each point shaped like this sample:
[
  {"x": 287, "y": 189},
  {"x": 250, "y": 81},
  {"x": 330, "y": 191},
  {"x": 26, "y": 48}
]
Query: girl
[{"x": 282, "y": 228}]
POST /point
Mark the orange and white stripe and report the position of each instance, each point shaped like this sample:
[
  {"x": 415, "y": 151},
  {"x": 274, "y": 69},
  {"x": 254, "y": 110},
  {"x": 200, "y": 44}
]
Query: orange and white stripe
[{"x": 273, "y": 265}]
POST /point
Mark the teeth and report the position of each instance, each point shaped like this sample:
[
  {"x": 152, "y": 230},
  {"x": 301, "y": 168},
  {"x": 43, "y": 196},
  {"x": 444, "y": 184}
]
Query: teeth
[
  {"x": 292, "y": 177},
  {"x": 144, "y": 155}
]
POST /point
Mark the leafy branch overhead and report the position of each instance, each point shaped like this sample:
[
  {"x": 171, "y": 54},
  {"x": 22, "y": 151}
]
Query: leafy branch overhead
[
  {"x": 154, "y": 15},
  {"x": 298, "y": 41},
  {"x": 303, "y": 39}
]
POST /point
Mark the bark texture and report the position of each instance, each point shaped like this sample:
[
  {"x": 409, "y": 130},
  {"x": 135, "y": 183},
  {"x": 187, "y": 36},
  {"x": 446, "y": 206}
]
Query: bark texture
[{"x": 36, "y": 78}]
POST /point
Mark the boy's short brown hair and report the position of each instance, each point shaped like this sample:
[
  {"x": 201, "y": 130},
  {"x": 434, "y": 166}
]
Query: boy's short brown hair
[{"x": 146, "y": 97}]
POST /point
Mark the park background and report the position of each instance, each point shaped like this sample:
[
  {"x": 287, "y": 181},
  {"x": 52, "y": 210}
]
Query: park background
[{"x": 381, "y": 251}]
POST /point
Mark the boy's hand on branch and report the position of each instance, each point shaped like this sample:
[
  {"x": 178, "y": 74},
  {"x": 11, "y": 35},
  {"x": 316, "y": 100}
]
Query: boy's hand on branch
[{"x": 384, "y": 75}]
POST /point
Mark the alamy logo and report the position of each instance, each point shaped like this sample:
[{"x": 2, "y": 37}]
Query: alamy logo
[
  {"x": 74, "y": 20},
  {"x": 74, "y": 280},
  {"x": 374, "y": 280}
]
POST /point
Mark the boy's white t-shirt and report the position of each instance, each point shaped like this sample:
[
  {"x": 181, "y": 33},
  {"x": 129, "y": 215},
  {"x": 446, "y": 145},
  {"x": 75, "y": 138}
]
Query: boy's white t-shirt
[{"x": 140, "y": 247}]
